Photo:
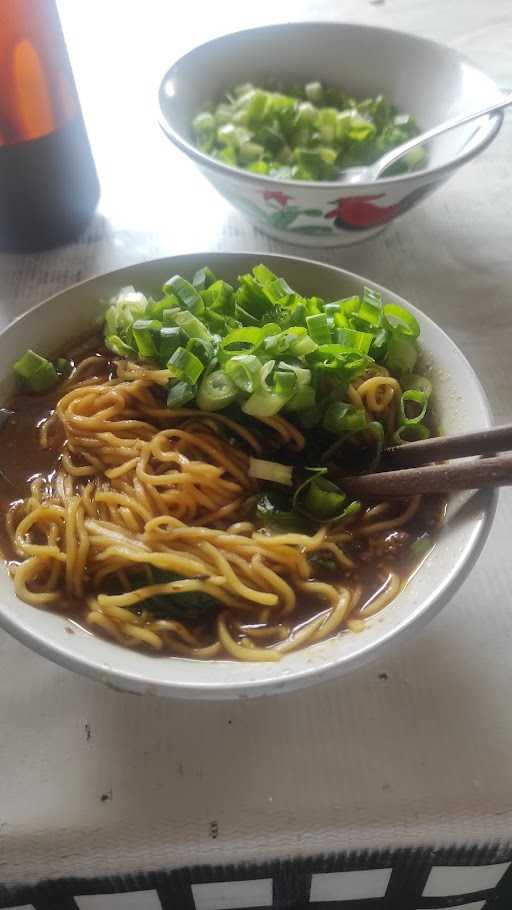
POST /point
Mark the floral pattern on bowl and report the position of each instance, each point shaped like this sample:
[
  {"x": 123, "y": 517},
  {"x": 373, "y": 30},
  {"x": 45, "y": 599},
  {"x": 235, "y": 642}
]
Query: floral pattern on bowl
[{"x": 288, "y": 217}]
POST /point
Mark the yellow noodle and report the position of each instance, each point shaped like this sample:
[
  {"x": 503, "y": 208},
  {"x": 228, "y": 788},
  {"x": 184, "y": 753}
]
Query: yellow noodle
[
  {"x": 356, "y": 625},
  {"x": 275, "y": 582},
  {"x": 286, "y": 430},
  {"x": 239, "y": 651},
  {"x": 301, "y": 540},
  {"x": 251, "y": 594},
  {"x": 206, "y": 652},
  {"x": 265, "y": 631},
  {"x": 383, "y": 597},
  {"x": 301, "y": 636},
  {"x": 367, "y": 530},
  {"x": 334, "y": 620},
  {"x": 25, "y": 573}
]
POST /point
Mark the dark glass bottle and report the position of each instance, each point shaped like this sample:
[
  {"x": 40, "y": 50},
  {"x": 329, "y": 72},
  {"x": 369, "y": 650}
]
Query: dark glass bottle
[{"x": 48, "y": 183}]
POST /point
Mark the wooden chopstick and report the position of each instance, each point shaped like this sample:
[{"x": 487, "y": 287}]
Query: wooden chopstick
[
  {"x": 439, "y": 448},
  {"x": 437, "y": 478}
]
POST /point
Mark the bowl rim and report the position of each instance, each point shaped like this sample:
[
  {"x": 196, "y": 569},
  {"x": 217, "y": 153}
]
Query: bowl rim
[
  {"x": 495, "y": 119},
  {"x": 134, "y": 681}
]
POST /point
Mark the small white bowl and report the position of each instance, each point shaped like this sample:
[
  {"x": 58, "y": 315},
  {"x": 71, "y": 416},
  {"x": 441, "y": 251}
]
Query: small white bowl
[
  {"x": 428, "y": 80},
  {"x": 461, "y": 405}
]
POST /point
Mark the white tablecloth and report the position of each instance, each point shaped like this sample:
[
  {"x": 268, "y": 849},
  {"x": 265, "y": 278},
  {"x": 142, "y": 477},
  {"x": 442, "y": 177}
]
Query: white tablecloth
[{"x": 415, "y": 749}]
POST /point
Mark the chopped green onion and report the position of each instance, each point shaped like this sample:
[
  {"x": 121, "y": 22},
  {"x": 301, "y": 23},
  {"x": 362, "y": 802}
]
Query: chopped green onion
[
  {"x": 319, "y": 499},
  {"x": 343, "y": 418},
  {"x": 218, "y": 297},
  {"x": 413, "y": 381},
  {"x": 127, "y": 306},
  {"x": 303, "y": 497},
  {"x": 270, "y": 470},
  {"x": 144, "y": 333},
  {"x": 304, "y": 399},
  {"x": 414, "y": 160},
  {"x": 63, "y": 366},
  {"x": 273, "y": 509},
  {"x": 259, "y": 167},
  {"x": 263, "y": 274},
  {"x": 302, "y": 375},
  {"x": 171, "y": 338},
  {"x": 228, "y": 155},
  {"x": 250, "y": 152},
  {"x": 217, "y": 391},
  {"x": 303, "y": 346},
  {"x": 268, "y": 348},
  {"x": 169, "y": 314},
  {"x": 244, "y": 370},
  {"x": 285, "y": 382},
  {"x": 331, "y": 309},
  {"x": 242, "y": 341},
  {"x": 204, "y": 129},
  {"x": 379, "y": 347},
  {"x": 347, "y": 307},
  {"x": 191, "y": 325},
  {"x": 204, "y": 350},
  {"x": 180, "y": 393},
  {"x": 185, "y": 365},
  {"x": 371, "y": 296},
  {"x": 35, "y": 372},
  {"x": 264, "y": 404},
  {"x": 370, "y": 310},
  {"x": 318, "y": 328},
  {"x": 304, "y": 134},
  {"x": 203, "y": 279},
  {"x": 398, "y": 317},
  {"x": 358, "y": 341},
  {"x": 412, "y": 397},
  {"x": 256, "y": 103},
  {"x": 410, "y": 433},
  {"x": 186, "y": 294},
  {"x": 278, "y": 344},
  {"x": 402, "y": 353},
  {"x": 335, "y": 360},
  {"x": 233, "y": 136},
  {"x": 116, "y": 344},
  {"x": 314, "y": 92},
  {"x": 156, "y": 308}
]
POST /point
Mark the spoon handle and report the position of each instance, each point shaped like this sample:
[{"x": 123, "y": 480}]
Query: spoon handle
[{"x": 383, "y": 163}]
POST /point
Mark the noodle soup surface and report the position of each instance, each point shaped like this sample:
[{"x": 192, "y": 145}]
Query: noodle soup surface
[{"x": 199, "y": 511}]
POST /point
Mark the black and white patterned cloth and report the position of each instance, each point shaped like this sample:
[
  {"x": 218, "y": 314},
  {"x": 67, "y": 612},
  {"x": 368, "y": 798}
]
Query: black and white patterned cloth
[{"x": 422, "y": 879}]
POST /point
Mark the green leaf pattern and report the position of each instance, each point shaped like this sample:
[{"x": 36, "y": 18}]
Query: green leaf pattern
[{"x": 282, "y": 217}]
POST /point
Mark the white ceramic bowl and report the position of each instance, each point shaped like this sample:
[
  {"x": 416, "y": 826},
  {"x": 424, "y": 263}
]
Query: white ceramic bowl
[
  {"x": 460, "y": 403},
  {"x": 423, "y": 78}
]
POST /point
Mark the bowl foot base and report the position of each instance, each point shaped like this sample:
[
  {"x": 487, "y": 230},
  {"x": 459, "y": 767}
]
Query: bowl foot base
[{"x": 338, "y": 239}]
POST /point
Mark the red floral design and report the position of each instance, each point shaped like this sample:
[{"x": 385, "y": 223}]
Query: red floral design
[
  {"x": 277, "y": 196},
  {"x": 359, "y": 211}
]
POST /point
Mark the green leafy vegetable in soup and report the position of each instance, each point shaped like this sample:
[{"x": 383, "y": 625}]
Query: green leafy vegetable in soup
[{"x": 306, "y": 133}]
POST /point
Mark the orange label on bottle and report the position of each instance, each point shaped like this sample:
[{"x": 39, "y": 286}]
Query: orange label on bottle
[{"x": 37, "y": 90}]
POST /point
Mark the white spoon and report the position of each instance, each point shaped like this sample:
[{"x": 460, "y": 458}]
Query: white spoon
[{"x": 373, "y": 171}]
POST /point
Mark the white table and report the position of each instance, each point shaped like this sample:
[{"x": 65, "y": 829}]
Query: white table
[{"x": 412, "y": 751}]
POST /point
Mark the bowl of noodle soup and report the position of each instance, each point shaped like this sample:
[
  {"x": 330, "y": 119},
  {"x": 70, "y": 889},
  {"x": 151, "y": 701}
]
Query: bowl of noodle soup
[{"x": 125, "y": 493}]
